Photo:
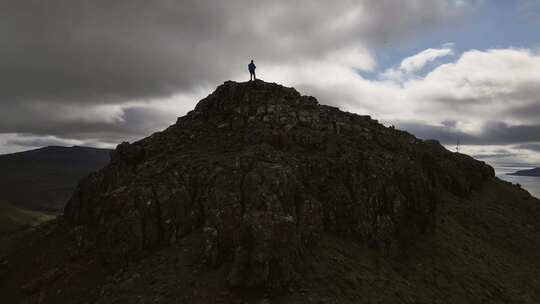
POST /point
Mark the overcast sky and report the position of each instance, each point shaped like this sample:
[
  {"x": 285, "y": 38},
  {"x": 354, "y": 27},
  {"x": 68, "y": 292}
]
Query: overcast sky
[{"x": 81, "y": 72}]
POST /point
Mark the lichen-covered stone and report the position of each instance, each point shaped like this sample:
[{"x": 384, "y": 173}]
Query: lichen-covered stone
[{"x": 264, "y": 171}]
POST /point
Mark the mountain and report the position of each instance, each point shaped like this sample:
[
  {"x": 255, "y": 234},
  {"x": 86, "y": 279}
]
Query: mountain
[
  {"x": 264, "y": 171},
  {"x": 262, "y": 195},
  {"x": 44, "y": 179},
  {"x": 530, "y": 172}
]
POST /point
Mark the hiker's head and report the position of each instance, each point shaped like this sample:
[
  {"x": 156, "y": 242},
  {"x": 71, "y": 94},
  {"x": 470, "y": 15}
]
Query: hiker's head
[{"x": 251, "y": 60}]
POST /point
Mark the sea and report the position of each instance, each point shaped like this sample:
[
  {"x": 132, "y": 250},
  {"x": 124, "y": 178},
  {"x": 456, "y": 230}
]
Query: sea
[{"x": 529, "y": 183}]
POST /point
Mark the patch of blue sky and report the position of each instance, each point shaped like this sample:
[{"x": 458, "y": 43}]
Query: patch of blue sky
[{"x": 493, "y": 24}]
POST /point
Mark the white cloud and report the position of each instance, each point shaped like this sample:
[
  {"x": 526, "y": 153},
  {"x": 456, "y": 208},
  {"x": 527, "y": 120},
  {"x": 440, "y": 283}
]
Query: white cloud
[
  {"x": 410, "y": 65},
  {"x": 476, "y": 88},
  {"x": 77, "y": 79},
  {"x": 151, "y": 65},
  {"x": 489, "y": 96},
  {"x": 354, "y": 57},
  {"x": 499, "y": 84},
  {"x": 417, "y": 62}
]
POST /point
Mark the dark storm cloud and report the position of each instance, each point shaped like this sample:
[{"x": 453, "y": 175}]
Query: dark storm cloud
[
  {"x": 530, "y": 146},
  {"x": 495, "y": 155},
  {"x": 61, "y": 54},
  {"x": 501, "y": 133},
  {"x": 443, "y": 134},
  {"x": 528, "y": 111},
  {"x": 133, "y": 122},
  {"x": 105, "y": 51},
  {"x": 64, "y": 53},
  {"x": 111, "y": 51}
]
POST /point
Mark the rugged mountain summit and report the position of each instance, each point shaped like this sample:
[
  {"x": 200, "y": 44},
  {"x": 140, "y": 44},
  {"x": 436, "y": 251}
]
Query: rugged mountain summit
[{"x": 264, "y": 171}]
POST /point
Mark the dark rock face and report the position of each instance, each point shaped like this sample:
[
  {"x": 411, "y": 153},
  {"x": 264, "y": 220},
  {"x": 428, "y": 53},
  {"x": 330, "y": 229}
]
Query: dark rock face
[{"x": 264, "y": 170}]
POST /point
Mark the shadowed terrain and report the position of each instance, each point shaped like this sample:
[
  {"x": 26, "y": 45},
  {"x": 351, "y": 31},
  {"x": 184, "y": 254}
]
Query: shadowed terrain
[
  {"x": 485, "y": 249},
  {"x": 13, "y": 219},
  {"x": 261, "y": 195},
  {"x": 44, "y": 179}
]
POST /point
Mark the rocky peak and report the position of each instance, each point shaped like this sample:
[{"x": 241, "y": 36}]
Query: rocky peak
[
  {"x": 264, "y": 171},
  {"x": 234, "y": 105}
]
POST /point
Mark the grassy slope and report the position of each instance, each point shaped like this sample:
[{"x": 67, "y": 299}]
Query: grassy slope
[
  {"x": 44, "y": 179},
  {"x": 486, "y": 250},
  {"x": 13, "y": 219}
]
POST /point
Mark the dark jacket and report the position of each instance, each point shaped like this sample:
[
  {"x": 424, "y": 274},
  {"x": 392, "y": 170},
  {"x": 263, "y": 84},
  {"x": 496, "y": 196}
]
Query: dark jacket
[{"x": 251, "y": 67}]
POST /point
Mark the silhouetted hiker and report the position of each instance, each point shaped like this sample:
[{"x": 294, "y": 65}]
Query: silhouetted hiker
[{"x": 251, "y": 68}]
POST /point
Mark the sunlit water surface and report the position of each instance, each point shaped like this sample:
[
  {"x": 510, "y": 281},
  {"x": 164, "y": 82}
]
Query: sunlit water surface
[{"x": 529, "y": 183}]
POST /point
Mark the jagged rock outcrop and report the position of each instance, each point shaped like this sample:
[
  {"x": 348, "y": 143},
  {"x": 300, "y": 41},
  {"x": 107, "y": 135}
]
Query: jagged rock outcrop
[{"x": 264, "y": 171}]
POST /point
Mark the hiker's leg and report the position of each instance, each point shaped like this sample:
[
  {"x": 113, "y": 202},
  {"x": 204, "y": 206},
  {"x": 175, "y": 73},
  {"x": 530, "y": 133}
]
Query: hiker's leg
[{"x": 254, "y": 77}]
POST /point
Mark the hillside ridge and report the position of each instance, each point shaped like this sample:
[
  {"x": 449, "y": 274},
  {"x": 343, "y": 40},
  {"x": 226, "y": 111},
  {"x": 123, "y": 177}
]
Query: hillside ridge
[
  {"x": 43, "y": 179},
  {"x": 528, "y": 172},
  {"x": 264, "y": 171}
]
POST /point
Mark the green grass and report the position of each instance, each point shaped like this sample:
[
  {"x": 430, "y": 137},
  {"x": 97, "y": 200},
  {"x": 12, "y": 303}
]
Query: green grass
[
  {"x": 13, "y": 219},
  {"x": 486, "y": 249}
]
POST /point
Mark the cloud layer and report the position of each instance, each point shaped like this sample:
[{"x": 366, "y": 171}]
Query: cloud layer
[
  {"x": 483, "y": 98},
  {"x": 99, "y": 72},
  {"x": 77, "y": 68}
]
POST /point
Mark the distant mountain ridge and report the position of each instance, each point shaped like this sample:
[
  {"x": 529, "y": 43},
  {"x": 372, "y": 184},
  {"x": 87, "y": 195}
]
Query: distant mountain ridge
[
  {"x": 529, "y": 172},
  {"x": 44, "y": 178}
]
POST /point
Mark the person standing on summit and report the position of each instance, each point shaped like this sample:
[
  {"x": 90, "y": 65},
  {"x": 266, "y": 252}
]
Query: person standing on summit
[{"x": 251, "y": 68}]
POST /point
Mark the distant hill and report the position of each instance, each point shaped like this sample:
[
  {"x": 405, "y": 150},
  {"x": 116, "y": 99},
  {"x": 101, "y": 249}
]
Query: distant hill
[
  {"x": 530, "y": 172},
  {"x": 13, "y": 219},
  {"x": 43, "y": 179}
]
